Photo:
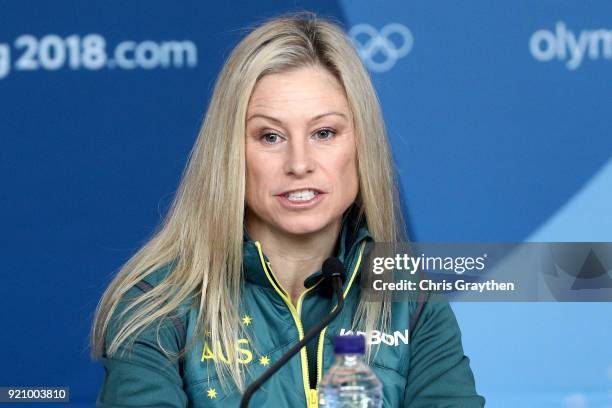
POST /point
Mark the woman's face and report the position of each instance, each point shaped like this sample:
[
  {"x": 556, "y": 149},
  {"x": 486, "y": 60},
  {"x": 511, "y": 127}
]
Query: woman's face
[{"x": 301, "y": 157}]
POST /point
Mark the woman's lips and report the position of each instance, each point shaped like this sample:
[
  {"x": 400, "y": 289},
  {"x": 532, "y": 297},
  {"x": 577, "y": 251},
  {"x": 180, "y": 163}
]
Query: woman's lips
[{"x": 301, "y": 204}]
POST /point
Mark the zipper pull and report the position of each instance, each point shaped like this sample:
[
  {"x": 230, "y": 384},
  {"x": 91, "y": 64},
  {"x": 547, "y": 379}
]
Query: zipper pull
[{"x": 313, "y": 398}]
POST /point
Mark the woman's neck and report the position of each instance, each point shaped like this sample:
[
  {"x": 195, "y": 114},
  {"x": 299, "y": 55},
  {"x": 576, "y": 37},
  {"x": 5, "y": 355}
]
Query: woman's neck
[{"x": 294, "y": 257}]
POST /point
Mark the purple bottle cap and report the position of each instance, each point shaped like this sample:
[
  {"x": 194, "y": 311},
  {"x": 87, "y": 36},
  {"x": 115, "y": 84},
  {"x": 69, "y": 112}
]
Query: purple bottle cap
[{"x": 349, "y": 344}]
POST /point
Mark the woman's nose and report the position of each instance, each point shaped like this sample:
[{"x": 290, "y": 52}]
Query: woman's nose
[{"x": 299, "y": 160}]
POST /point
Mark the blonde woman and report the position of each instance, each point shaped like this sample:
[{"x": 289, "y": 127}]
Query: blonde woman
[{"x": 291, "y": 166}]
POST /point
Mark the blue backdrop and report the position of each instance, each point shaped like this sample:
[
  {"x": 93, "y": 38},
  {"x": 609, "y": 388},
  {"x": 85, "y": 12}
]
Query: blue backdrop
[{"x": 499, "y": 116}]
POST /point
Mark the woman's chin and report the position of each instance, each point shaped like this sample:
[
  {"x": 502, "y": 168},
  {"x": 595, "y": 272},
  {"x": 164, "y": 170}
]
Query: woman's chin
[{"x": 304, "y": 228}]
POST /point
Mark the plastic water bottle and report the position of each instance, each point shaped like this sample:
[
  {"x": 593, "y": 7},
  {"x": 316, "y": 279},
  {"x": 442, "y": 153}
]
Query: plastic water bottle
[{"x": 350, "y": 383}]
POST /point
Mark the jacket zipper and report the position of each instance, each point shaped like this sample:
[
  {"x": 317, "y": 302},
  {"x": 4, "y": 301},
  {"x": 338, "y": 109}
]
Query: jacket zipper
[
  {"x": 320, "y": 347},
  {"x": 312, "y": 399},
  {"x": 285, "y": 296}
]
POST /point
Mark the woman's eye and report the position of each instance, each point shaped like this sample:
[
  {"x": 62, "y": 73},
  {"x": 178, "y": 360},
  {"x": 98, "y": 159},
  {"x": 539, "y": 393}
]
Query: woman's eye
[
  {"x": 325, "y": 134},
  {"x": 270, "y": 138}
]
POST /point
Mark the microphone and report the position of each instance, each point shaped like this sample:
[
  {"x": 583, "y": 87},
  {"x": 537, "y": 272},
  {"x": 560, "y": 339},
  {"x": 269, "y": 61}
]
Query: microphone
[{"x": 332, "y": 270}]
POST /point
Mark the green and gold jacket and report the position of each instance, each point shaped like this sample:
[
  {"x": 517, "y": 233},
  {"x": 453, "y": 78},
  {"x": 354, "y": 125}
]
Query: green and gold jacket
[{"x": 424, "y": 368}]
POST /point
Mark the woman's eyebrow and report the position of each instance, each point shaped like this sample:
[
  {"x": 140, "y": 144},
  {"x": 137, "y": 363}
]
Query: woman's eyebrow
[{"x": 275, "y": 120}]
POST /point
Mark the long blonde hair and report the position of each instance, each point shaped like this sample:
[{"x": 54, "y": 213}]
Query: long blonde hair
[{"x": 202, "y": 232}]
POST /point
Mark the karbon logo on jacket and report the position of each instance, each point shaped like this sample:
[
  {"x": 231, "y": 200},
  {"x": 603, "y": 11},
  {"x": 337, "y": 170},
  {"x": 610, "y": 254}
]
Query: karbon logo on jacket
[{"x": 377, "y": 337}]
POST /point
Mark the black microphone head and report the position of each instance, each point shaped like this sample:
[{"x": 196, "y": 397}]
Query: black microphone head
[{"x": 332, "y": 267}]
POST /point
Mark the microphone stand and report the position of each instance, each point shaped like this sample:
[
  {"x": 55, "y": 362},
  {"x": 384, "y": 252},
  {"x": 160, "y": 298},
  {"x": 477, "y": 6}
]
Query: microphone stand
[{"x": 337, "y": 286}]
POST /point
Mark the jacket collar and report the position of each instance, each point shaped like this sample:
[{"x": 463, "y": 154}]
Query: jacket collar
[{"x": 354, "y": 231}]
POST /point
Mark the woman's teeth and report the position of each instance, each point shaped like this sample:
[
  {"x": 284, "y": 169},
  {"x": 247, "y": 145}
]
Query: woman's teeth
[{"x": 303, "y": 195}]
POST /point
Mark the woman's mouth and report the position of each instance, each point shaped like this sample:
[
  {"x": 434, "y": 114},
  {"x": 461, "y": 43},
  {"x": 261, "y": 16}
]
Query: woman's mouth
[
  {"x": 301, "y": 199},
  {"x": 301, "y": 195}
]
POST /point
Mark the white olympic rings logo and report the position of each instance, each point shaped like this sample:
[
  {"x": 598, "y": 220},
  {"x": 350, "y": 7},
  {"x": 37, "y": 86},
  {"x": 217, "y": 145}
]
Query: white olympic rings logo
[{"x": 380, "y": 42}]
